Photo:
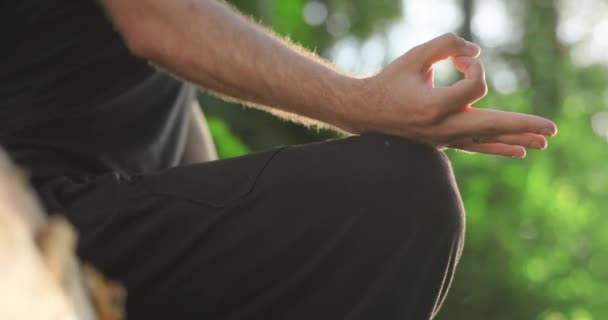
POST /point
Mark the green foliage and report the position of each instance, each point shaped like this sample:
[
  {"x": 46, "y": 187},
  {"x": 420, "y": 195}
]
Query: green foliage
[
  {"x": 537, "y": 239},
  {"x": 537, "y": 245},
  {"x": 228, "y": 145}
]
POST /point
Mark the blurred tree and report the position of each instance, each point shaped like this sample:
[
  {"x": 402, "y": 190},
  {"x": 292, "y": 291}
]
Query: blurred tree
[
  {"x": 466, "y": 30},
  {"x": 542, "y": 52}
]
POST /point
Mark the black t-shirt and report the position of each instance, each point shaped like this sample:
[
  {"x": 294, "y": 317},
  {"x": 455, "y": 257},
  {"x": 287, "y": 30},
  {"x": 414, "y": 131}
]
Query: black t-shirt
[{"x": 73, "y": 99}]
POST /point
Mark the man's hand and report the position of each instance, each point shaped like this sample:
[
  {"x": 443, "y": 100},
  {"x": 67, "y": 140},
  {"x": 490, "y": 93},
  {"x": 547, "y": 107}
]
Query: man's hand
[{"x": 402, "y": 100}]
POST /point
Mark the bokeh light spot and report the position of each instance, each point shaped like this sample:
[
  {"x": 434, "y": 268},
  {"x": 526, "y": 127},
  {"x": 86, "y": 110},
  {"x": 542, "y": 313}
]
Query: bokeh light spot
[{"x": 315, "y": 13}]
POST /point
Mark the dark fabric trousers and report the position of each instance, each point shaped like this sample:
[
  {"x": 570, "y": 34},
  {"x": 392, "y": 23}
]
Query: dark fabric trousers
[{"x": 368, "y": 227}]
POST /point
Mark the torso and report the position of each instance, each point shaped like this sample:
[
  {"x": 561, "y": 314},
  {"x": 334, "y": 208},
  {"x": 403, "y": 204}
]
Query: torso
[{"x": 74, "y": 101}]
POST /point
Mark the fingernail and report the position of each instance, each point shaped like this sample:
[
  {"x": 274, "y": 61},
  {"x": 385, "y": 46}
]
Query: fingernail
[
  {"x": 520, "y": 156},
  {"x": 472, "y": 46},
  {"x": 537, "y": 145},
  {"x": 549, "y": 132}
]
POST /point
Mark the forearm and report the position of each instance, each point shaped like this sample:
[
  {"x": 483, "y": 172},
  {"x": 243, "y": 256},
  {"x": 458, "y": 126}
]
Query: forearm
[{"x": 208, "y": 43}]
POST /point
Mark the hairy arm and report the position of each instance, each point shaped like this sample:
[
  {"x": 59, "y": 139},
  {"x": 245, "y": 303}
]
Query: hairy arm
[{"x": 210, "y": 44}]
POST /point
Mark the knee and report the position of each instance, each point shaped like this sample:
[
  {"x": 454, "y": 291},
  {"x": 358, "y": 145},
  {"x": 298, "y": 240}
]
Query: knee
[
  {"x": 409, "y": 176},
  {"x": 395, "y": 179},
  {"x": 393, "y": 157}
]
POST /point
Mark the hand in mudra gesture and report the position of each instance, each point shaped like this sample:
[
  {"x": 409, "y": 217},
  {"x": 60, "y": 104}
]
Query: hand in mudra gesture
[{"x": 402, "y": 100}]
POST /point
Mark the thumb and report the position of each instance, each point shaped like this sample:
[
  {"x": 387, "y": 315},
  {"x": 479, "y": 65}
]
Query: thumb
[{"x": 423, "y": 57}]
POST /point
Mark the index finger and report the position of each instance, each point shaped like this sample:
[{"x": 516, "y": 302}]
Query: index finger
[
  {"x": 486, "y": 122},
  {"x": 448, "y": 45},
  {"x": 466, "y": 91}
]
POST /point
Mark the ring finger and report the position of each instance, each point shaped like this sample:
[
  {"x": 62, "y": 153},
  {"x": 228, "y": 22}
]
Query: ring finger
[
  {"x": 527, "y": 140},
  {"x": 497, "y": 149}
]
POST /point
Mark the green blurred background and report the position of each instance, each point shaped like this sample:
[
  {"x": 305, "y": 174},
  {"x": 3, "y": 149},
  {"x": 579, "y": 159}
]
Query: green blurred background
[{"x": 537, "y": 237}]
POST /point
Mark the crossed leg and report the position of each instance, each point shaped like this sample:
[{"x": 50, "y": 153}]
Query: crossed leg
[{"x": 367, "y": 227}]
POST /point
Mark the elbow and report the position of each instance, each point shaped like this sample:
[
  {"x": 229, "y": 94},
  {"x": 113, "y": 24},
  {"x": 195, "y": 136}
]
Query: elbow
[
  {"x": 138, "y": 40},
  {"x": 140, "y": 26},
  {"x": 143, "y": 34}
]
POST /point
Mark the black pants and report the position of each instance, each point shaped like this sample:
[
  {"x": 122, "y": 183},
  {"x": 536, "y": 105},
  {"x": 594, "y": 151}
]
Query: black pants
[{"x": 367, "y": 227}]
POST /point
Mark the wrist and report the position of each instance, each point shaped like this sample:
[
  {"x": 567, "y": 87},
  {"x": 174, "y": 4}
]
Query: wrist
[{"x": 348, "y": 104}]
